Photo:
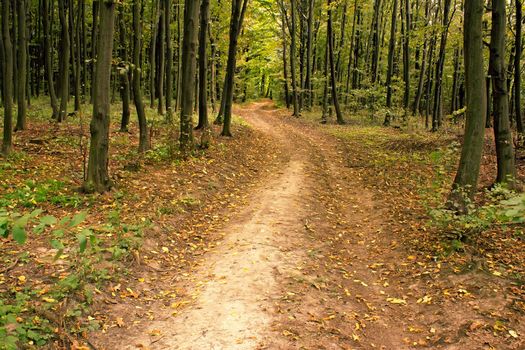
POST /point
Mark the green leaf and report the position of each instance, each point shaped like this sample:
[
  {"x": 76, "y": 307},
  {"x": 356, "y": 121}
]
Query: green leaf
[
  {"x": 82, "y": 242},
  {"x": 22, "y": 221},
  {"x": 56, "y": 244},
  {"x": 19, "y": 234},
  {"x": 78, "y": 218},
  {"x": 58, "y": 233},
  {"x": 48, "y": 220},
  {"x": 36, "y": 212}
]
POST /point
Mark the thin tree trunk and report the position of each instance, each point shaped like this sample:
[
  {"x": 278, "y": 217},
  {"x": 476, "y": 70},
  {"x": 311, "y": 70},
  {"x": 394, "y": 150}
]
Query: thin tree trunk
[
  {"x": 285, "y": 60},
  {"x": 293, "y": 58},
  {"x": 238, "y": 13},
  {"x": 390, "y": 69},
  {"x": 333, "y": 73},
  {"x": 203, "y": 65},
  {"x": 64, "y": 58},
  {"x": 517, "y": 68},
  {"x": 124, "y": 76},
  {"x": 21, "y": 121},
  {"x": 169, "y": 61},
  {"x": 7, "y": 141},
  {"x": 152, "y": 53},
  {"x": 137, "y": 77},
  {"x": 48, "y": 58}
]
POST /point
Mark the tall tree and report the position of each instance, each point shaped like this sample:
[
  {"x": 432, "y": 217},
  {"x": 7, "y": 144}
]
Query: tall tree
[
  {"x": 189, "y": 66},
  {"x": 137, "y": 77},
  {"x": 293, "y": 59},
  {"x": 169, "y": 61},
  {"x": 390, "y": 69},
  {"x": 466, "y": 180},
  {"x": 203, "y": 65},
  {"x": 48, "y": 58},
  {"x": 517, "y": 68},
  {"x": 64, "y": 58},
  {"x": 7, "y": 141},
  {"x": 162, "y": 58},
  {"x": 124, "y": 72},
  {"x": 97, "y": 178},
  {"x": 237, "y": 18},
  {"x": 333, "y": 73},
  {"x": 500, "y": 96},
  {"x": 21, "y": 123}
]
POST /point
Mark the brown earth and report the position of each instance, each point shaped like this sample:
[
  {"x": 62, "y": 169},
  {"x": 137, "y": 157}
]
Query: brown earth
[{"x": 314, "y": 260}]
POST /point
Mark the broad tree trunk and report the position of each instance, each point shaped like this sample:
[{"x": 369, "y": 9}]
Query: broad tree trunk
[
  {"x": 189, "y": 67},
  {"x": 21, "y": 121},
  {"x": 97, "y": 178},
  {"x": 137, "y": 77},
  {"x": 7, "y": 141},
  {"x": 500, "y": 97},
  {"x": 466, "y": 180}
]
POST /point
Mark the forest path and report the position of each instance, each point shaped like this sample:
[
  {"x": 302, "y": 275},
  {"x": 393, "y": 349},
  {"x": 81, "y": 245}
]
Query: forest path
[{"x": 277, "y": 272}]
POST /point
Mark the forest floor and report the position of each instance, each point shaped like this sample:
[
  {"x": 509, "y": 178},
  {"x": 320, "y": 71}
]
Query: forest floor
[{"x": 292, "y": 235}]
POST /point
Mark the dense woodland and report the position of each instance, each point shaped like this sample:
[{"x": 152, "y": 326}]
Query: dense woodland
[{"x": 175, "y": 69}]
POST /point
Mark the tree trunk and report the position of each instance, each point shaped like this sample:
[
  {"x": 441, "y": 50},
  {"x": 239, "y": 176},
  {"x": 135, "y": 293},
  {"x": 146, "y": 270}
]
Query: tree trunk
[
  {"x": 7, "y": 141},
  {"x": 124, "y": 76},
  {"x": 137, "y": 77},
  {"x": 406, "y": 56},
  {"x": 307, "y": 81},
  {"x": 48, "y": 58},
  {"x": 63, "y": 60},
  {"x": 203, "y": 65},
  {"x": 293, "y": 59},
  {"x": 237, "y": 18},
  {"x": 517, "y": 69},
  {"x": 162, "y": 59},
  {"x": 285, "y": 60},
  {"x": 437, "y": 110},
  {"x": 189, "y": 67},
  {"x": 500, "y": 97},
  {"x": 97, "y": 173},
  {"x": 390, "y": 69},
  {"x": 21, "y": 121},
  {"x": 333, "y": 73},
  {"x": 152, "y": 52},
  {"x": 375, "y": 40},
  {"x": 169, "y": 61},
  {"x": 466, "y": 180}
]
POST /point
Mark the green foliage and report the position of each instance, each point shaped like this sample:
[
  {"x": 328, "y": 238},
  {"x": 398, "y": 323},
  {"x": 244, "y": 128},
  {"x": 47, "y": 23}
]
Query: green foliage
[{"x": 32, "y": 194}]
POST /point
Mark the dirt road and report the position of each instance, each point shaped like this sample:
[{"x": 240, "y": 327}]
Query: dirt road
[{"x": 308, "y": 264}]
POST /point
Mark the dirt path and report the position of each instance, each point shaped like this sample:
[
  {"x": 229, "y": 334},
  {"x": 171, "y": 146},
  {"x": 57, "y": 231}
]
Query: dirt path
[{"x": 309, "y": 263}]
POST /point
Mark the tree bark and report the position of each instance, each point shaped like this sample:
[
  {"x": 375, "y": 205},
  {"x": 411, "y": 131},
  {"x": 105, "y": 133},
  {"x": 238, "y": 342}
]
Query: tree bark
[
  {"x": 21, "y": 121},
  {"x": 48, "y": 58},
  {"x": 97, "y": 173},
  {"x": 333, "y": 73},
  {"x": 390, "y": 69},
  {"x": 500, "y": 97},
  {"x": 293, "y": 59},
  {"x": 203, "y": 65},
  {"x": 189, "y": 67},
  {"x": 466, "y": 180},
  {"x": 137, "y": 77},
  {"x": 169, "y": 61},
  {"x": 7, "y": 141},
  {"x": 124, "y": 73},
  {"x": 517, "y": 68},
  {"x": 64, "y": 57},
  {"x": 237, "y": 18}
]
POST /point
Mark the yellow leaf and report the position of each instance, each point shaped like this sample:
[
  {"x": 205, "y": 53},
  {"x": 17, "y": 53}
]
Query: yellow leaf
[
  {"x": 396, "y": 301},
  {"x": 513, "y": 333}
]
